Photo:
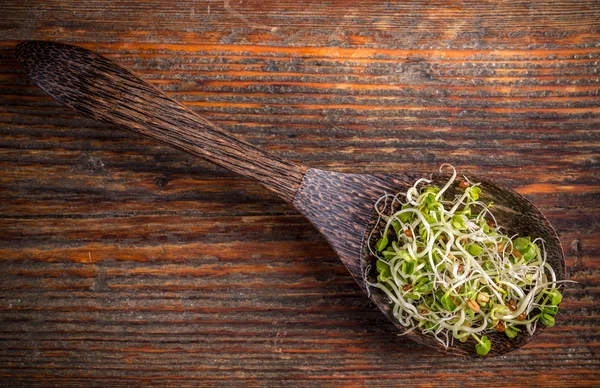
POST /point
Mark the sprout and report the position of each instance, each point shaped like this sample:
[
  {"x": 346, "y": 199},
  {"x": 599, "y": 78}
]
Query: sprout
[
  {"x": 483, "y": 347},
  {"x": 381, "y": 244},
  {"x": 556, "y": 296},
  {"x": 511, "y": 331},
  {"x": 450, "y": 272},
  {"x": 547, "y": 320}
]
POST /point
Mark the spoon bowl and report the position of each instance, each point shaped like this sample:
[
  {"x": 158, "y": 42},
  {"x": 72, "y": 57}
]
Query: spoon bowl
[
  {"x": 517, "y": 216},
  {"x": 340, "y": 205}
]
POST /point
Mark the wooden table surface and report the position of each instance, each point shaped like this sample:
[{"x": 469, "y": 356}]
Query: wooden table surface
[{"x": 125, "y": 262}]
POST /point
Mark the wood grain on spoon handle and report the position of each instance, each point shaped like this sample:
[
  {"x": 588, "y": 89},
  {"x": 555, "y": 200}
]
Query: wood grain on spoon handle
[{"x": 99, "y": 88}]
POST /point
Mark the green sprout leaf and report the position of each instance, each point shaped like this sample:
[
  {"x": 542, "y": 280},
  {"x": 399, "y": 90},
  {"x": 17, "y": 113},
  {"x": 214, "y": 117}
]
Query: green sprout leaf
[
  {"x": 384, "y": 270},
  {"x": 397, "y": 226},
  {"x": 474, "y": 193},
  {"x": 448, "y": 303},
  {"x": 521, "y": 243},
  {"x": 547, "y": 320},
  {"x": 556, "y": 297},
  {"x": 474, "y": 249},
  {"x": 383, "y": 267},
  {"x": 424, "y": 288},
  {"x": 430, "y": 202},
  {"x": 432, "y": 189},
  {"x": 511, "y": 331},
  {"x": 529, "y": 253},
  {"x": 422, "y": 232},
  {"x": 408, "y": 267},
  {"x": 405, "y": 217},
  {"x": 486, "y": 228},
  {"x": 458, "y": 222},
  {"x": 381, "y": 244},
  {"x": 484, "y": 346},
  {"x": 404, "y": 255},
  {"x": 552, "y": 310}
]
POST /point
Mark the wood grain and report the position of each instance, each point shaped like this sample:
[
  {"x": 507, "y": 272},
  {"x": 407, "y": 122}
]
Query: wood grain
[
  {"x": 127, "y": 263},
  {"x": 340, "y": 205}
]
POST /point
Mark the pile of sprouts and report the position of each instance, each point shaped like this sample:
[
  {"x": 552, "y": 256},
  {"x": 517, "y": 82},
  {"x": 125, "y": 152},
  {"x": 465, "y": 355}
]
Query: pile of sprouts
[{"x": 450, "y": 272}]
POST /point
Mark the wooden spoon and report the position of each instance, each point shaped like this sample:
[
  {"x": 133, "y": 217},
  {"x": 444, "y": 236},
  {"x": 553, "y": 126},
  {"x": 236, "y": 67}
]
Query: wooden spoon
[{"x": 340, "y": 205}]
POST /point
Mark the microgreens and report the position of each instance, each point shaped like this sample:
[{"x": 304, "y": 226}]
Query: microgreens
[{"x": 450, "y": 272}]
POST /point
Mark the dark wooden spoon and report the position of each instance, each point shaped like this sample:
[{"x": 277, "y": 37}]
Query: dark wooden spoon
[{"x": 339, "y": 205}]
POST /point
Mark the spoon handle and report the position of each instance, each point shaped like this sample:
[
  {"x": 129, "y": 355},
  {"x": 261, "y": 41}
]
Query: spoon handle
[{"x": 99, "y": 88}]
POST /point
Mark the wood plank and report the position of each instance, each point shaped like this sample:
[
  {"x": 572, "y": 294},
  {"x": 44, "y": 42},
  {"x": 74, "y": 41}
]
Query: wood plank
[{"x": 125, "y": 262}]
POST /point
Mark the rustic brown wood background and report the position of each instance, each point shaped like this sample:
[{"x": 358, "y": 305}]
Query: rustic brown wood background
[{"x": 125, "y": 262}]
